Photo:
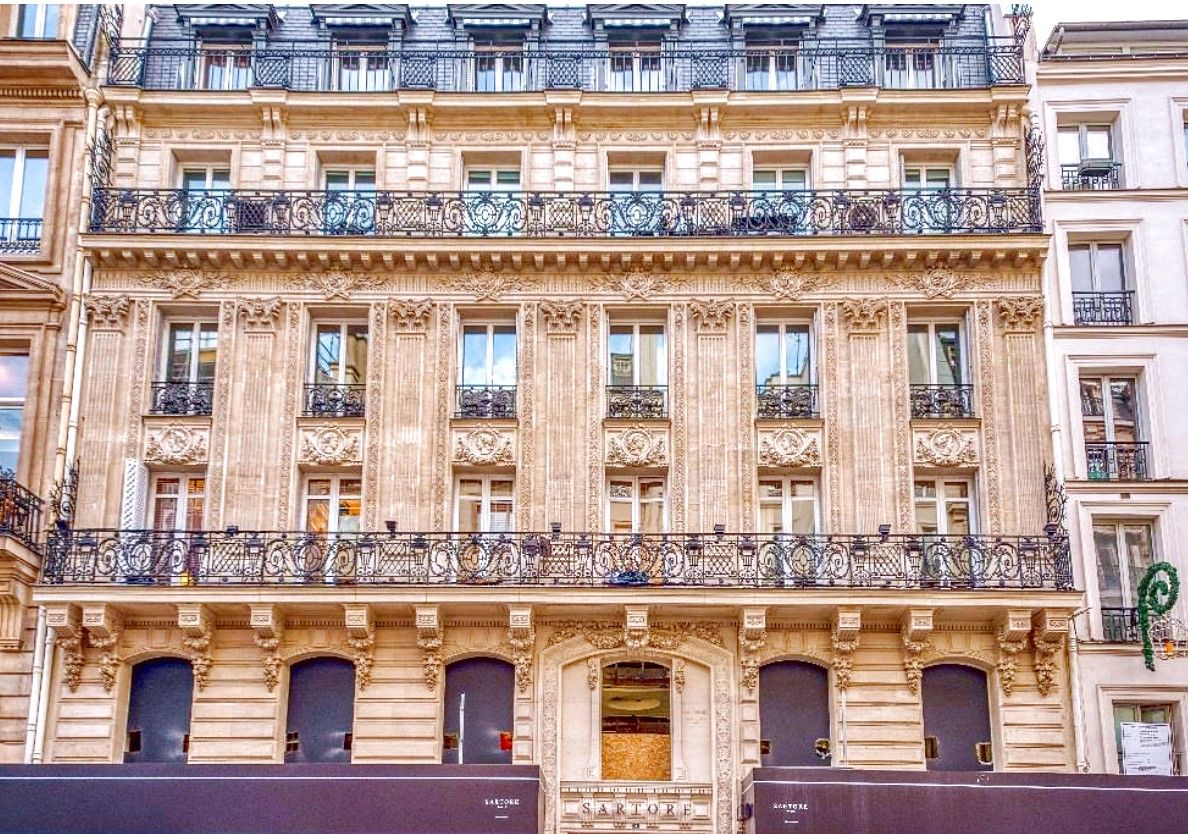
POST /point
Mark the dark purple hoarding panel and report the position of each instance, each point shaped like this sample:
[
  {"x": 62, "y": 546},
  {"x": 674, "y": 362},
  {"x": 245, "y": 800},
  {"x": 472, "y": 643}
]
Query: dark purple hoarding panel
[
  {"x": 835, "y": 801},
  {"x": 269, "y": 799}
]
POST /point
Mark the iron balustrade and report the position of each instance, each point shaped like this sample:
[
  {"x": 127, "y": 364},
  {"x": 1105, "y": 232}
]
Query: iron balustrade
[
  {"x": 566, "y": 65},
  {"x": 942, "y": 401},
  {"x": 560, "y": 214},
  {"x": 786, "y": 401},
  {"x": 191, "y": 398},
  {"x": 234, "y": 557},
  {"x": 489, "y": 401},
  {"x": 1096, "y": 178},
  {"x": 1120, "y": 625},
  {"x": 20, "y": 511},
  {"x": 19, "y": 235},
  {"x": 1117, "y": 461},
  {"x": 331, "y": 400},
  {"x": 643, "y": 402},
  {"x": 1108, "y": 308}
]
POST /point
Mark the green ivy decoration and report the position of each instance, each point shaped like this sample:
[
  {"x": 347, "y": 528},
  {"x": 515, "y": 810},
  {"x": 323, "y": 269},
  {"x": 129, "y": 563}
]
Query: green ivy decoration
[{"x": 1156, "y": 595}]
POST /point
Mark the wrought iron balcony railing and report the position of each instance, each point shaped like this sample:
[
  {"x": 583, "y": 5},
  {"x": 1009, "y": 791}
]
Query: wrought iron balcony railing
[
  {"x": 1082, "y": 177},
  {"x": 19, "y": 235},
  {"x": 1120, "y": 625},
  {"x": 808, "y": 65},
  {"x": 786, "y": 401},
  {"x": 1117, "y": 461},
  {"x": 1108, "y": 308},
  {"x": 560, "y": 214},
  {"x": 643, "y": 402},
  {"x": 491, "y": 401},
  {"x": 20, "y": 511},
  {"x": 194, "y": 398},
  {"x": 234, "y": 557},
  {"x": 942, "y": 401},
  {"x": 328, "y": 400}
]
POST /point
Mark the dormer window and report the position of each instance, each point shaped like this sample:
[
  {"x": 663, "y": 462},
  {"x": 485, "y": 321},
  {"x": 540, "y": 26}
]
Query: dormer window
[
  {"x": 636, "y": 66},
  {"x": 499, "y": 66}
]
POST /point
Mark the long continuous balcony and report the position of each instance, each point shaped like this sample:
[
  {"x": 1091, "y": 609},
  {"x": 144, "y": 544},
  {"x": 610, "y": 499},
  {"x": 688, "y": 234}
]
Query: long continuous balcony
[
  {"x": 558, "y": 214},
  {"x": 234, "y": 557},
  {"x": 20, "y": 511},
  {"x": 810, "y": 65}
]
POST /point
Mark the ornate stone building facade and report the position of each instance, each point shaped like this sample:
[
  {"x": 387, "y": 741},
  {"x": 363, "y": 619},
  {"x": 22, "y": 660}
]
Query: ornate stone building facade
[
  {"x": 655, "y": 396},
  {"x": 1111, "y": 102}
]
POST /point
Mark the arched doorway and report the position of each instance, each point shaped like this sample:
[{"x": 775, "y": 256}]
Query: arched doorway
[
  {"x": 794, "y": 723},
  {"x": 321, "y": 711},
  {"x": 159, "y": 711},
  {"x": 956, "y": 718},
  {"x": 479, "y": 708}
]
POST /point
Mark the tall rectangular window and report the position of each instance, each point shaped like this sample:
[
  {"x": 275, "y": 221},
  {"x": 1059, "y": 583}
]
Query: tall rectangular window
[
  {"x": 332, "y": 503},
  {"x": 784, "y": 374},
  {"x": 911, "y": 66},
  {"x": 38, "y": 20},
  {"x": 178, "y": 502},
  {"x": 14, "y": 380},
  {"x": 203, "y": 199},
  {"x": 937, "y": 371},
  {"x": 788, "y": 506},
  {"x": 361, "y": 68},
  {"x": 771, "y": 64},
  {"x": 190, "y": 349},
  {"x": 636, "y": 202},
  {"x": 1114, "y": 447},
  {"x": 1088, "y": 157},
  {"x": 944, "y": 506},
  {"x": 637, "y": 372},
  {"x": 488, "y": 371},
  {"x": 224, "y": 66},
  {"x": 337, "y": 370},
  {"x": 23, "y": 177},
  {"x": 350, "y": 200},
  {"x": 1099, "y": 286},
  {"x": 484, "y": 504},
  {"x": 1124, "y": 552},
  {"x": 636, "y": 67},
  {"x": 1146, "y": 713},
  {"x": 637, "y": 505},
  {"x": 498, "y": 67}
]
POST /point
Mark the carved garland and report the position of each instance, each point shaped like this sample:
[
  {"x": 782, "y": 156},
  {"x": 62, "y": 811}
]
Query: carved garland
[
  {"x": 186, "y": 282},
  {"x": 913, "y": 661},
  {"x": 329, "y": 446},
  {"x": 1046, "y": 652},
  {"x": 842, "y": 659},
  {"x": 484, "y": 446},
  {"x": 523, "y": 645},
  {"x": 662, "y": 636},
  {"x": 201, "y": 658},
  {"x": 362, "y": 652},
  {"x": 946, "y": 447},
  {"x": 72, "y": 659},
  {"x": 270, "y": 646},
  {"x": 1007, "y": 664},
  {"x": 176, "y": 445},
  {"x": 109, "y": 660},
  {"x": 636, "y": 446},
  {"x": 789, "y": 447}
]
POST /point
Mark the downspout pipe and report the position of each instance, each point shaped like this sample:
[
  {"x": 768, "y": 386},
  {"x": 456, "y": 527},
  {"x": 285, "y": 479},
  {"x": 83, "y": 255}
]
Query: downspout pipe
[{"x": 35, "y": 689}]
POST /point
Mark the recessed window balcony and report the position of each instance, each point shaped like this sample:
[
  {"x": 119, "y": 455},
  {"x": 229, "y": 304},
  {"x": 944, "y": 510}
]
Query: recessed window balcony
[
  {"x": 1117, "y": 461},
  {"x": 1120, "y": 625},
  {"x": 1111, "y": 309},
  {"x": 20, "y": 235},
  {"x": 486, "y": 401},
  {"x": 182, "y": 398},
  {"x": 1091, "y": 175},
  {"x": 637, "y": 402},
  {"x": 332, "y": 400},
  {"x": 784, "y": 402},
  {"x": 942, "y": 402}
]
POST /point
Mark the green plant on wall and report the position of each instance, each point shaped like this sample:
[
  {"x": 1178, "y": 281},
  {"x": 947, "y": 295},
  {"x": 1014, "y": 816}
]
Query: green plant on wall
[{"x": 1157, "y": 593}]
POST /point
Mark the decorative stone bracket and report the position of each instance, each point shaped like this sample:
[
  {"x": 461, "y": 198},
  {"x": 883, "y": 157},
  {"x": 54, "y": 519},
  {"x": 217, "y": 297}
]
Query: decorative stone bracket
[
  {"x": 360, "y": 626},
  {"x": 847, "y": 627},
  {"x": 269, "y": 625},
  {"x": 1012, "y": 639},
  {"x": 752, "y": 635},
  {"x": 104, "y": 627},
  {"x": 429, "y": 640},
  {"x": 521, "y": 635},
  {"x": 66, "y": 621},
  {"x": 197, "y": 625},
  {"x": 18, "y": 574},
  {"x": 1048, "y": 633},
  {"x": 917, "y": 626}
]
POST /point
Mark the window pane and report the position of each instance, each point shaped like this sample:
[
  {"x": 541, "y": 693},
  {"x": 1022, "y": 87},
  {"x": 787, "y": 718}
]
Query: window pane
[
  {"x": 208, "y": 340},
  {"x": 620, "y": 516},
  {"x": 918, "y": 370},
  {"x": 1110, "y": 275},
  {"x": 1109, "y": 580},
  {"x": 14, "y": 375},
  {"x": 469, "y": 516},
  {"x": 364, "y": 180},
  {"x": 195, "y": 502},
  {"x": 948, "y": 355},
  {"x": 501, "y": 516},
  {"x": 507, "y": 179},
  {"x": 478, "y": 179},
  {"x": 621, "y": 181},
  {"x": 651, "y": 517},
  {"x": 181, "y": 337},
  {"x": 338, "y": 180},
  {"x": 804, "y": 516},
  {"x": 653, "y": 360},
  {"x": 356, "y": 355},
  {"x": 220, "y": 180},
  {"x": 767, "y": 355},
  {"x": 349, "y": 510},
  {"x": 10, "y": 436},
  {"x": 621, "y": 359},
  {"x": 317, "y": 515},
  {"x": 1097, "y": 143},
  {"x": 328, "y": 353},
  {"x": 957, "y": 519},
  {"x": 926, "y": 521},
  {"x": 352, "y": 486},
  {"x": 796, "y": 355},
  {"x": 771, "y": 518},
  {"x": 1091, "y": 402},
  {"x": 764, "y": 180},
  {"x": 7, "y": 167},
  {"x": 649, "y": 180},
  {"x": 50, "y": 28},
  {"x": 925, "y": 489},
  {"x": 317, "y": 486},
  {"x": 474, "y": 355},
  {"x": 1122, "y": 394},
  {"x": 1068, "y": 143},
  {"x": 194, "y": 179},
  {"x": 795, "y": 180},
  {"x": 501, "y": 488},
  {"x": 33, "y": 187},
  {"x": 912, "y": 177},
  {"x": 470, "y": 487},
  {"x": 503, "y": 356},
  {"x": 1079, "y": 265},
  {"x": 165, "y": 514},
  {"x": 938, "y": 178},
  {"x": 651, "y": 490},
  {"x": 1136, "y": 539}
]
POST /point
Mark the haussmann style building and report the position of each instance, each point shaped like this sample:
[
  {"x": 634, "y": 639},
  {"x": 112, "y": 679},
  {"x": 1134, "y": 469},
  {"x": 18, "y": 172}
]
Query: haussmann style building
[{"x": 643, "y": 392}]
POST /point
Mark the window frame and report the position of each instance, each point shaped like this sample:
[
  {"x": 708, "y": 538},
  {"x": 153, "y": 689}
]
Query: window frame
[
  {"x": 933, "y": 355},
  {"x": 911, "y": 73},
  {"x": 779, "y": 172},
  {"x": 924, "y": 169},
  {"x": 1120, "y": 525},
  {"x": 183, "y": 498},
  {"x": 492, "y": 186},
  {"x": 209, "y": 170},
  {"x": 787, "y": 503},
  {"x": 19, "y": 165},
  {"x": 196, "y": 325},
  {"x": 1083, "y": 129},
  {"x": 366, "y": 54},
  {"x": 18, "y": 404},
  {"x": 637, "y": 49},
  {"x": 1105, "y": 379},
  {"x": 635, "y": 171},
  {"x": 942, "y": 502},
  {"x": 343, "y": 328},
  {"x": 226, "y": 50},
  {"x": 489, "y": 326},
  {"x": 773, "y": 50},
  {"x": 352, "y": 172},
  {"x": 782, "y": 325},
  {"x": 499, "y": 50},
  {"x": 637, "y": 502},
  {"x": 1094, "y": 272},
  {"x": 635, "y": 325},
  {"x": 484, "y": 501},
  {"x": 39, "y": 21},
  {"x": 333, "y": 499},
  {"x": 1145, "y": 703}
]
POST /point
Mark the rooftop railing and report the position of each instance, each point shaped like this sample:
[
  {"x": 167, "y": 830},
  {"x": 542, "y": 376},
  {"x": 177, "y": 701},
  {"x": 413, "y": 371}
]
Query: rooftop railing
[
  {"x": 879, "y": 561},
  {"x": 573, "y": 214},
  {"x": 809, "y": 65}
]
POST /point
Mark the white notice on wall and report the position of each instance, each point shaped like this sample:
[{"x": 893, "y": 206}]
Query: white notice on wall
[{"x": 1146, "y": 749}]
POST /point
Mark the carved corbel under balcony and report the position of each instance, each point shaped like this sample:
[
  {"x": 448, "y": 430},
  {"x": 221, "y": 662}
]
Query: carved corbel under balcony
[
  {"x": 66, "y": 621},
  {"x": 521, "y": 635},
  {"x": 637, "y": 633},
  {"x": 1049, "y": 629},
  {"x": 847, "y": 625},
  {"x": 1013, "y": 629},
  {"x": 360, "y": 626},
  {"x": 752, "y": 634},
  {"x": 197, "y": 626},
  {"x": 104, "y": 627},
  {"x": 269, "y": 625},
  {"x": 429, "y": 640},
  {"x": 917, "y": 626}
]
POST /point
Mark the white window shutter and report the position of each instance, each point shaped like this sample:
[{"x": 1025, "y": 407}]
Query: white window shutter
[{"x": 132, "y": 507}]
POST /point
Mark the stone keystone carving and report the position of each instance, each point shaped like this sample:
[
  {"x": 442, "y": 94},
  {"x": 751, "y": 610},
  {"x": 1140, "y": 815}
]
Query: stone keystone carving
[
  {"x": 917, "y": 626},
  {"x": 360, "y": 626},
  {"x": 1011, "y": 639},
  {"x": 176, "y": 444},
  {"x": 484, "y": 446},
  {"x": 521, "y": 635},
  {"x": 936, "y": 283},
  {"x": 789, "y": 447},
  {"x": 197, "y": 627},
  {"x": 484, "y": 285},
  {"x": 340, "y": 283},
  {"x": 787, "y": 285},
  {"x": 429, "y": 640},
  {"x": 946, "y": 446},
  {"x": 636, "y": 446},
  {"x": 844, "y": 637},
  {"x": 752, "y": 635},
  {"x": 329, "y": 446},
  {"x": 266, "y": 621}
]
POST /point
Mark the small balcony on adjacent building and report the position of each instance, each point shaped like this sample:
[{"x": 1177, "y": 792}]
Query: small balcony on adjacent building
[
  {"x": 334, "y": 400},
  {"x": 637, "y": 402},
  {"x": 1110, "y": 309},
  {"x": 785, "y": 402},
  {"x": 1091, "y": 175},
  {"x": 1120, "y": 625},
  {"x": 942, "y": 402},
  {"x": 1116, "y": 461},
  {"x": 20, "y": 512},
  {"x": 486, "y": 401},
  {"x": 19, "y": 235},
  {"x": 182, "y": 398}
]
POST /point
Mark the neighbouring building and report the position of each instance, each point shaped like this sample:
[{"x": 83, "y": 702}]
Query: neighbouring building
[
  {"x": 47, "y": 51},
  {"x": 641, "y": 391},
  {"x": 1114, "y": 110}
]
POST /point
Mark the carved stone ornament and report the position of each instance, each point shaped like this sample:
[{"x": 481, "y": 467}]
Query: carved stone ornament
[
  {"x": 1020, "y": 315},
  {"x": 1046, "y": 650},
  {"x": 523, "y": 645},
  {"x": 484, "y": 446},
  {"x": 340, "y": 283},
  {"x": 946, "y": 447},
  {"x": 843, "y": 658},
  {"x": 561, "y": 316},
  {"x": 108, "y": 312},
  {"x": 429, "y": 641},
  {"x": 410, "y": 316},
  {"x": 201, "y": 659},
  {"x": 109, "y": 658},
  {"x": 484, "y": 285},
  {"x": 330, "y": 446},
  {"x": 678, "y": 675},
  {"x": 270, "y": 646},
  {"x": 789, "y": 447},
  {"x": 864, "y": 315},
  {"x": 176, "y": 445},
  {"x": 936, "y": 283},
  {"x": 186, "y": 282},
  {"x": 362, "y": 651},
  {"x": 635, "y": 285},
  {"x": 913, "y": 662},
  {"x": 72, "y": 659},
  {"x": 260, "y": 313},
  {"x": 663, "y": 636},
  {"x": 786, "y": 285},
  {"x": 1007, "y": 665},
  {"x": 636, "y": 446},
  {"x": 711, "y": 316},
  {"x": 752, "y": 636},
  {"x": 593, "y": 673}
]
